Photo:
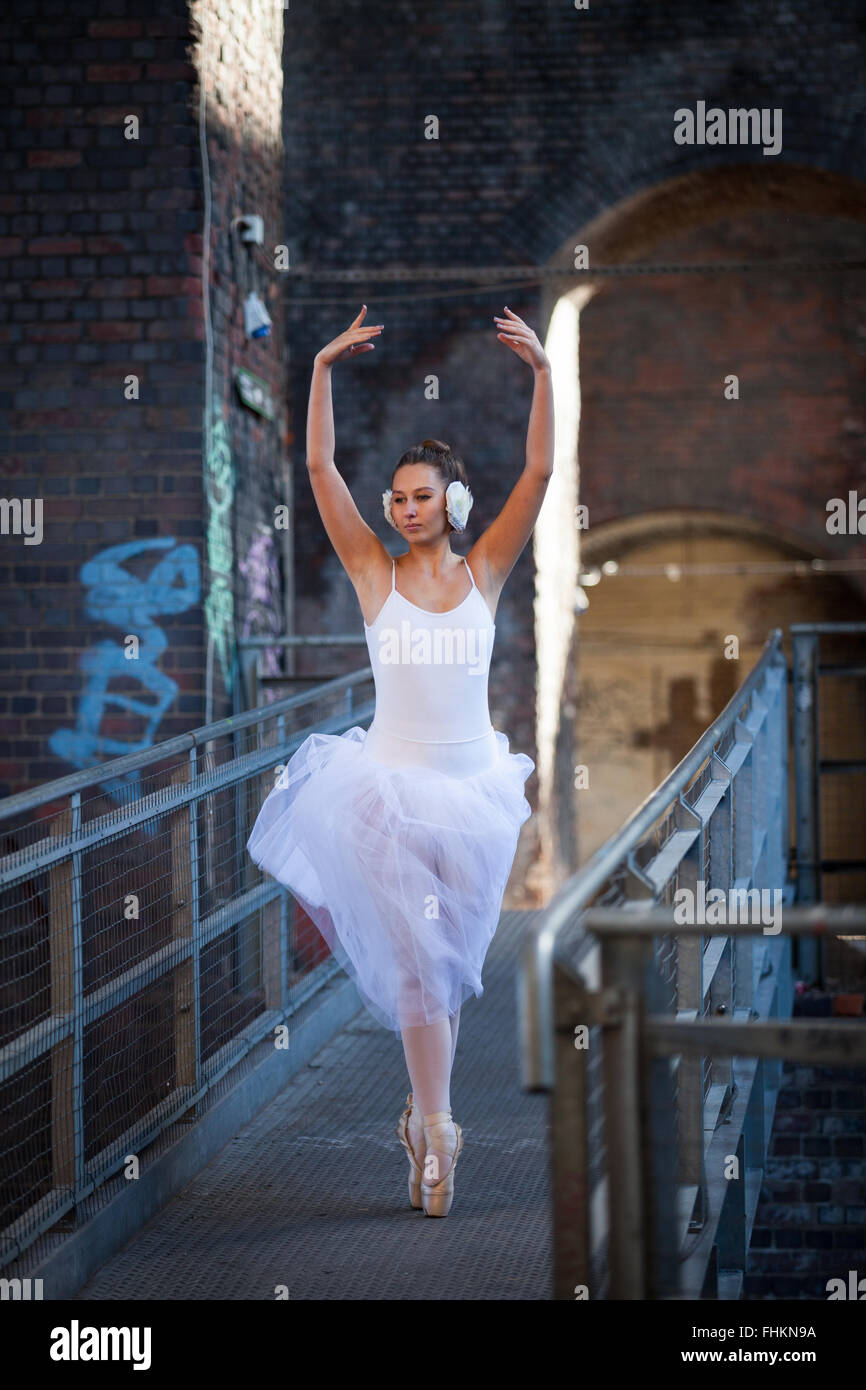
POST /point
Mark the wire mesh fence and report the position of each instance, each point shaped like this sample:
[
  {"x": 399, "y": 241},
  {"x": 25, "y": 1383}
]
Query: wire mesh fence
[
  {"x": 830, "y": 721},
  {"x": 711, "y": 844},
  {"x": 143, "y": 951}
]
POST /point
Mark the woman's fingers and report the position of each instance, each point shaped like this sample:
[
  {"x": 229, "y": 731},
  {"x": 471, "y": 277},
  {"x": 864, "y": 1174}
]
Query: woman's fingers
[
  {"x": 356, "y": 321},
  {"x": 355, "y": 349}
]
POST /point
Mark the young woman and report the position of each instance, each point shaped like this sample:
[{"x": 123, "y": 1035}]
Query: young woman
[{"x": 398, "y": 840}]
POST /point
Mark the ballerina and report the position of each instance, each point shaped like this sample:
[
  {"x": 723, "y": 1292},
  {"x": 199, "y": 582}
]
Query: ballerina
[{"x": 398, "y": 840}]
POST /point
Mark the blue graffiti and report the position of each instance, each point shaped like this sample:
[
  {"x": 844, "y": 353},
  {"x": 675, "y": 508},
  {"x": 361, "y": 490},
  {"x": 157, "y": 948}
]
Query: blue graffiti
[{"x": 116, "y": 596}]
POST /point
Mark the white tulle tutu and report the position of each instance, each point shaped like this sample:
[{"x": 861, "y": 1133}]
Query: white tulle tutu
[{"x": 402, "y": 868}]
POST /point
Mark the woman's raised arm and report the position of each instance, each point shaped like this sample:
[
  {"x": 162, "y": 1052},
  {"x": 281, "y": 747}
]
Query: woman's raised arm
[
  {"x": 497, "y": 549},
  {"x": 348, "y": 532}
]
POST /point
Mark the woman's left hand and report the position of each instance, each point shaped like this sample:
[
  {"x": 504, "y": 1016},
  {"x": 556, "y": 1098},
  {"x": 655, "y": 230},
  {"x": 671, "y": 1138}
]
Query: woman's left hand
[{"x": 521, "y": 339}]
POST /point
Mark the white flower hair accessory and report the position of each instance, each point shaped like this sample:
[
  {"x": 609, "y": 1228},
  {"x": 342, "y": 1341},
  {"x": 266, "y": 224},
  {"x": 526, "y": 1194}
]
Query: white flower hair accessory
[
  {"x": 386, "y": 507},
  {"x": 458, "y": 504}
]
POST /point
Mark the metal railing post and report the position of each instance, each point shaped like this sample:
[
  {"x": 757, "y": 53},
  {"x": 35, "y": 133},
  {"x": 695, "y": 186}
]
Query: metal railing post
[
  {"x": 659, "y": 1085},
  {"x": 622, "y": 980},
  {"x": 185, "y": 992},
  {"x": 784, "y": 757},
  {"x": 690, "y": 1071},
  {"x": 569, "y": 1151},
  {"x": 806, "y": 754},
  {"x": 807, "y": 789},
  {"x": 66, "y": 966}
]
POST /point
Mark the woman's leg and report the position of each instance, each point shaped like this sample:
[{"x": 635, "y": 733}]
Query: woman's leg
[
  {"x": 455, "y": 1024},
  {"x": 429, "y": 1050},
  {"x": 422, "y": 1088},
  {"x": 428, "y": 1057}
]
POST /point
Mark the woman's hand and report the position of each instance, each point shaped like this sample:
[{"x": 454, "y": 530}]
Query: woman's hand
[
  {"x": 522, "y": 340},
  {"x": 351, "y": 343}
]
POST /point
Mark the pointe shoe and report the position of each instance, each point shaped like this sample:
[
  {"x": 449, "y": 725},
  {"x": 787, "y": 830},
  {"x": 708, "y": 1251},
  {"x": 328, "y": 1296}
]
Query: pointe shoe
[
  {"x": 415, "y": 1152},
  {"x": 444, "y": 1134}
]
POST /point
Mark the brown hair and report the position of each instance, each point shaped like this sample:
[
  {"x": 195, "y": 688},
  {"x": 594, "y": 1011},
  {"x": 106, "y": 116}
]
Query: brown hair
[{"x": 439, "y": 456}]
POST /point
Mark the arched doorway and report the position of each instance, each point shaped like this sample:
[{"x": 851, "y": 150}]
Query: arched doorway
[{"x": 680, "y": 611}]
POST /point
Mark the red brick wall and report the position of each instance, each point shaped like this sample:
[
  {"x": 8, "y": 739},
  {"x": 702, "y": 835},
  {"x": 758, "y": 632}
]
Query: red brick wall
[
  {"x": 556, "y": 126},
  {"x": 656, "y": 428},
  {"x": 810, "y": 1225},
  {"x": 101, "y": 244}
]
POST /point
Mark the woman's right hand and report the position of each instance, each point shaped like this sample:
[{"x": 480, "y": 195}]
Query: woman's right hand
[{"x": 351, "y": 343}]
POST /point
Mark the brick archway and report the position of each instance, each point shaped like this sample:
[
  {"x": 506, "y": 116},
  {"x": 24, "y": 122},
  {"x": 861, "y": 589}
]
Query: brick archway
[
  {"x": 648, "y": 426},
  {"x": 668, "y": 637}
]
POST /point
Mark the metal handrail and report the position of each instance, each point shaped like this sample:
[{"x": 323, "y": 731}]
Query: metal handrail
[
  {"x": 648, "y": 1253},
  {"x": 536, "y": 977},
  {"x": 181, "y": 743},
  {"x": 54, "y": 1036},
  {"x": 828, "y": 627}
]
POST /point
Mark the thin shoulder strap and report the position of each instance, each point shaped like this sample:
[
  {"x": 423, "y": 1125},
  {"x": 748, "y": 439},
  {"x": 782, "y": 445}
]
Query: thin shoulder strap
[
  {"x": 393, "y": 575},
  {"x": 471, "y": 575}
]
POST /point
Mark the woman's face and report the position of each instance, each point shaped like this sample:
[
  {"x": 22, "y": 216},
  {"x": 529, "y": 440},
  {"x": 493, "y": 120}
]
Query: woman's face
[{"x": 418, "y": 501}]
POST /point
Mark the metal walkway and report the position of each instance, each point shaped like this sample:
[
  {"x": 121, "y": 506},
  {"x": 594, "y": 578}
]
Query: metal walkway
[{"x": 312, "y": 1195}]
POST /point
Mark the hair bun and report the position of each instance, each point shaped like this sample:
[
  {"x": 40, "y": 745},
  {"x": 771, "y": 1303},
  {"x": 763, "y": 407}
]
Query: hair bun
[{"x": 436, "y": 444}]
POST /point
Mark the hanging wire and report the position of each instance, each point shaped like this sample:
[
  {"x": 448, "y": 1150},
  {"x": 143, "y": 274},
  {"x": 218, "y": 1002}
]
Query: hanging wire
[
  {"x": 675, "y": 569},
  {"x": 510, "y": 278}
]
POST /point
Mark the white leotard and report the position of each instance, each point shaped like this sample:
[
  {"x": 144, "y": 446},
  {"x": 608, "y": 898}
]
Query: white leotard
[{"x": 431, "y": 672}]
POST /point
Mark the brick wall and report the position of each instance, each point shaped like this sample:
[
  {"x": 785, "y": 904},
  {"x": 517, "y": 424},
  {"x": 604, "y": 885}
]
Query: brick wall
[
  {"x": 101, "y": 241},
  {"x": 555, "y": 126},
  {"x": 657, "y": 429},
  {"x": 810, "y": 1225}
]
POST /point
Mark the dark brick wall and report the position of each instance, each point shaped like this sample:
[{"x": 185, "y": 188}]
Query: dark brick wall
[
  {"x": 101, "y": 244},
  {"x": 657, "y": 430},
  {"x": 810, "y": 1225},
  {"x": 555, "y": 126}
]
